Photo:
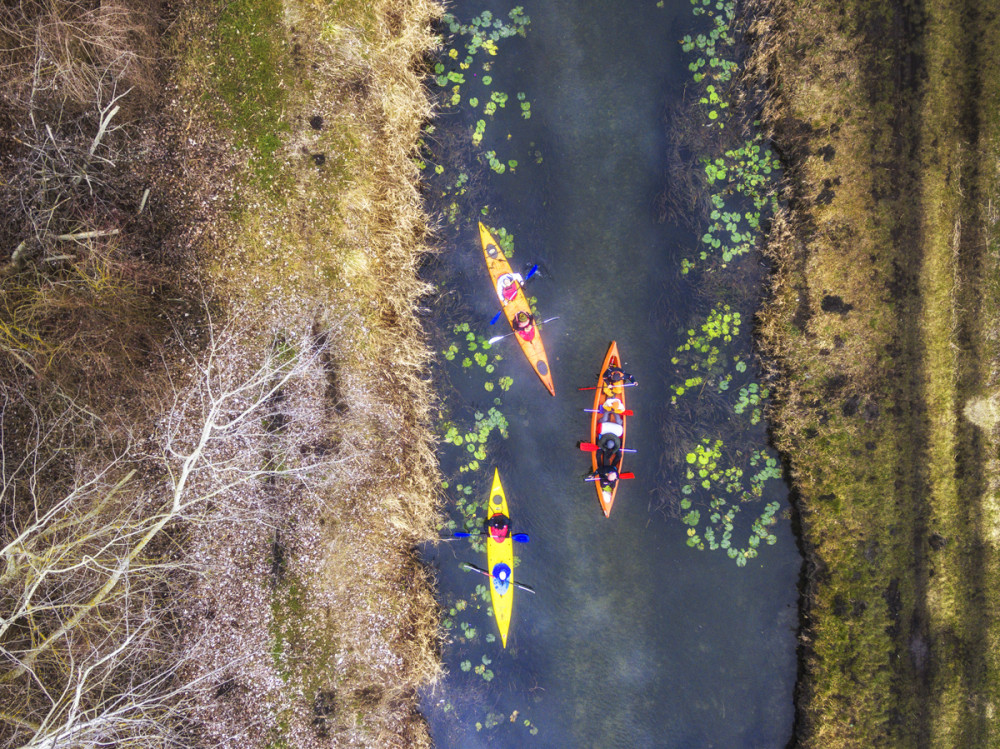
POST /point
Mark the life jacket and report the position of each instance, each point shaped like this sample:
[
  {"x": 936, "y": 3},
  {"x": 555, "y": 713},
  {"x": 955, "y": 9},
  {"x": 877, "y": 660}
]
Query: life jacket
[
  {"x": 501, "y": 575},
  {"x": 508, "y": 285},
  {"x": 613, "y": 405},
  {"x": 612, "y": 424},
  {"x": 528, "y": 335},
  {"x": 499, "y": 527}
]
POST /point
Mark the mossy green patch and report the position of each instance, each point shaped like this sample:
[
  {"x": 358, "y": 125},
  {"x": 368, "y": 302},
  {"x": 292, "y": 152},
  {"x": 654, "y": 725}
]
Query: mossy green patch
[{"x": 250, "y": 79}]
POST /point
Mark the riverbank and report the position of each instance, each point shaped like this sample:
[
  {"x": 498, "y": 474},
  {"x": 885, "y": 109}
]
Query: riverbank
[
  {"x": 882, "y": 332},
  {"x": 211, "y": 334}
]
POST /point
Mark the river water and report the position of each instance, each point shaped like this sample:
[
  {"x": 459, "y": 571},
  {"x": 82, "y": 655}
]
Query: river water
[{"x": 632, "y": 639}]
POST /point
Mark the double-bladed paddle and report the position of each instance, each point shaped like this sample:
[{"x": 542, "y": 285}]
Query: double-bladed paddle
[
  {"x": 521, "y": 538},
  {"x": 617, "y": 384},
  {"x": 590, "y": 447},
  {"x": 496, "y": 338}
]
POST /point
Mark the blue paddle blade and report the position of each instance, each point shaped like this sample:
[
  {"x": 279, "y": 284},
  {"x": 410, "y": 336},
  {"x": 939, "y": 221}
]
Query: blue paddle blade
[
  {"x": 496, "y": 317},
  {"x": 462, "y": 534},
  {"x": 530, "y": 273}
]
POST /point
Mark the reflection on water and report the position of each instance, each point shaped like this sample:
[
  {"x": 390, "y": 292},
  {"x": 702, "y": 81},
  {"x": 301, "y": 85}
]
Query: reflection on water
[{"x": 632, "y": 639}]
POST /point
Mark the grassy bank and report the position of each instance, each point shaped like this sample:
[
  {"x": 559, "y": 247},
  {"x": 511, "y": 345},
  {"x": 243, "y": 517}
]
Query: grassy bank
[
  {"x": 210, "y": 352},
  {"x": 882, "y": 331}
]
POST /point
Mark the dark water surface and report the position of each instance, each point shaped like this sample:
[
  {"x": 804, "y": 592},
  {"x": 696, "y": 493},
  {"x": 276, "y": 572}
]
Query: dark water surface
[{"x": 633, "y": 639}]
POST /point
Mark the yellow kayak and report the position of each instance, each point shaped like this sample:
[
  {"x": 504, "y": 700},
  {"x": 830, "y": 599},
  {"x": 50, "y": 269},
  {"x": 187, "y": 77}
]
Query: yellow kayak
[
  {"x": 500, "y": 558},
  {"x": 513, "y": 302}
]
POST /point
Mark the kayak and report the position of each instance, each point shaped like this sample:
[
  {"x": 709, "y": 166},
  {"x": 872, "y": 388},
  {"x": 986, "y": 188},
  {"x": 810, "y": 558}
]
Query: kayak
[
  {"x": 500, "y": 271},
  {"x": 606, "y": 494},
  {"x": 500, "y": 559}
]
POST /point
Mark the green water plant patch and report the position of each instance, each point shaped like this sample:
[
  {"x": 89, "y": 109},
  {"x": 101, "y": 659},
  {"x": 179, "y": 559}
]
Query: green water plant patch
[
  {"x": 715, "y": 492},
  {"x": 704, "y": 359},
  {"x": 457, "y": 71}
]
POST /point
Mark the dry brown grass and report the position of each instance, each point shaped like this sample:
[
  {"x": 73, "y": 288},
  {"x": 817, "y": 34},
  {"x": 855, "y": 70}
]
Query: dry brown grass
[
  {"x": 62, "y": 55},
  {"x": 352, "y": 624},
  {"x": 309, "y": 622}
]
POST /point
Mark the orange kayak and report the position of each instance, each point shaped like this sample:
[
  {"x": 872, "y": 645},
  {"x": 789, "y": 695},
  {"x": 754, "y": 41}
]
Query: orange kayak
[
  {"x": 606, "y": 494},
  {"x": 500, "y": 272}
]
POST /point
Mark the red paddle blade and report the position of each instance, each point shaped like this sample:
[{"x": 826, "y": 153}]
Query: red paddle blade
[
  {"x": 628, "y": 475},
  {"x": 589, "y": 447}
]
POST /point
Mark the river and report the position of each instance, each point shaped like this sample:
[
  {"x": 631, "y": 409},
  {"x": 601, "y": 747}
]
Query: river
[{"x": 633, "y": 639}]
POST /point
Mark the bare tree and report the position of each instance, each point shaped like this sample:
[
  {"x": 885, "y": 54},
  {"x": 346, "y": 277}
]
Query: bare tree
[{"x": 89, "y": 552}]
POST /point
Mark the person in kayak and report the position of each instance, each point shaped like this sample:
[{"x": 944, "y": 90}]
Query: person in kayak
[
  {"x": 609, "y": 451},
  {"x": 524, "y": 325},
  {"x": 611, "y": 423},
  {"x": 613, "y": 405},
  {"x": 615, "y": 378},
  {"x": 498, "y": 526},
  {"x": 508, "y": 285},
  {"x": 501, "y": 577},
  {"x": 609, "y": 445},
  {"x": 606, "y": 474},
  {"x": 614, "y": 375}
]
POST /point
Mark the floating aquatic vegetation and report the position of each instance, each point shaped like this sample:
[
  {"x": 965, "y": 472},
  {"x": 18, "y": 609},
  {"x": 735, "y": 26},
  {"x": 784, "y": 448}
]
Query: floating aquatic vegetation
[
  {"x": 751, "y": 397},
  {"x": 752, "y": 167},
  {"x": 492, "y": 720},
  {"x": 747, "y": 170},
  {"x": 483, "y": 668},
  {"x": 498, "y": 166},
  {"x": 741, "y": 179},
  {"x": 701, "y": 357},
  {"x": 711, "y": 64},
  {"x": 480, "y": 36},
  {"x": 724, "y": 485},
  {"x": 474, "y": 439}
]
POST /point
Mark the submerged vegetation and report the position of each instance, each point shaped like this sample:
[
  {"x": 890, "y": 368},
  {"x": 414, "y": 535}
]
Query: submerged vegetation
[
  {"x": 463, "y": 72},
  {"x": 738, "y": 174},
  {"x": 478, "y": 145},
  {"x": 881, "y": 327}
]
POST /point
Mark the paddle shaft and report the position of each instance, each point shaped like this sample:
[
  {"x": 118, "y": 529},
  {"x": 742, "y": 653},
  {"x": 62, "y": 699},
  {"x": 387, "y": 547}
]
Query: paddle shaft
[
  {"x": 617, "y": 384},
  {"x": 528, "y": 275},
  {"x": 496, "y": 338},
  {"x": 590, "y": 447},
  {"x": 481, "y": 571},
  {"x": 626, "y": 412}
]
